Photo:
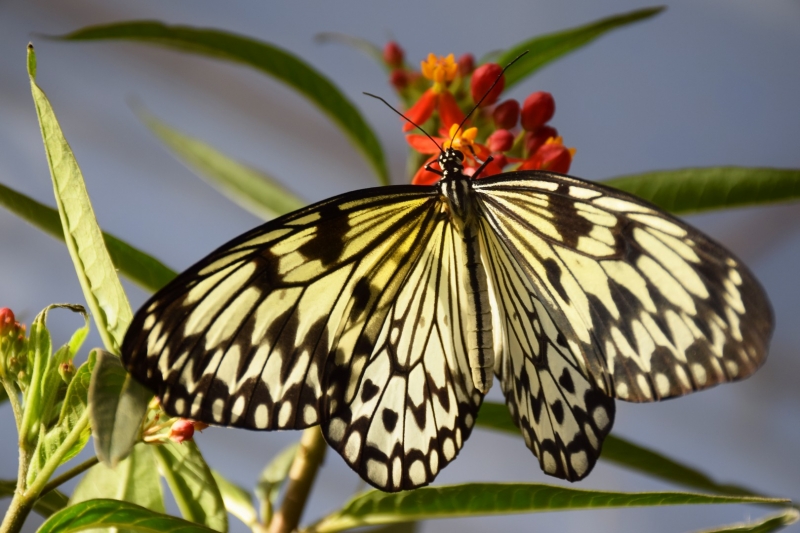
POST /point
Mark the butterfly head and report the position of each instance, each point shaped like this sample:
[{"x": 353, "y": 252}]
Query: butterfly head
[{"x": 451, "y": 161}]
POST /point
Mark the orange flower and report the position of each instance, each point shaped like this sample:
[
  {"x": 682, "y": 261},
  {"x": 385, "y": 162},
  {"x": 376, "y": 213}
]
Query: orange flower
[{"x": 441, "y": 71}]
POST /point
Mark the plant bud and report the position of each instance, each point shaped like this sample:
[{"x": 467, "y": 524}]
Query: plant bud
[
  {"x": 393, "y": 54},
  {"x": 506, "y": 114},
  {"x": 537, "y": 110},
  {"x": 500, "y": 141},
  {"x": 466, "y": 64},
  {"x": 483, "y": 78}
]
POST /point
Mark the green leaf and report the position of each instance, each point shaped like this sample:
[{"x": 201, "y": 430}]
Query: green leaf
[
  {"x": 145, "y": 270},
  {"x": 133, "y": 480},
  {"x": 250, "y": 188},
  {"x": 96, "y": 272},
  {"x": 238, "y": 501},
  {"x": 72, "y": 416},
  {"x": 192, "y": 484},
  {"x": 765, "y": 525},
  {"x": 262, "y": 56},
  {"x": 112, "y": 513},
  {"x": 480, "y": 499},
  {"x": 117, "y": 406},
  {"x": 272, "y": 478},
  {"x": 495, "y": 416},
  {"x": 690, "y": 190},
  {"x": 547, "y": 48},
  {"x": 370, "y": 49},
  {"x": 46, "y": 505}
]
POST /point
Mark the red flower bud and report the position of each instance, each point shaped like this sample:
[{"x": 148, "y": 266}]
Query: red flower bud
[
  {"x": 535, "y": 139},
  {"x": 483, "y": 78},
  {"x": 399, "y": 79},
  {"x": 500, "y": 141},
  {"x": 181, "y": 430},
  {"x": 7, "y": 319},
  {"x": 393, "y": 54},
  {"x": 506, "y": 114},
  {"x": 537, "y": 110},
  {"x": 466, "y": 64}
]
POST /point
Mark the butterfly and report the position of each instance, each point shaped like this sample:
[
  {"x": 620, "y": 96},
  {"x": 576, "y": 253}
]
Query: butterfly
[{"x": 384, "y": 314}]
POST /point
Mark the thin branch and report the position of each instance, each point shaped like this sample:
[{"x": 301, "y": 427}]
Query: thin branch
[
  {"x": 69, "y": 474},
  {"x": 301, "y": 478}
]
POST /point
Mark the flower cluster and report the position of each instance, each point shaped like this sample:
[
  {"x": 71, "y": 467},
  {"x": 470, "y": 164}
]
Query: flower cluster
[
  {"x": 158, "y": 427},
  {"x": 13, "y": 350},
  {"x": 445, "y": 89}
]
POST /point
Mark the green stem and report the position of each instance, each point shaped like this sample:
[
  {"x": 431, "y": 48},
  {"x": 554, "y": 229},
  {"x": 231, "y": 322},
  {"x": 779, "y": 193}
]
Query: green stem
[
  {"x": 69, "y": 474},
  {"x": 301, "y": 478},
  {"x": 55, "y": 460},
  {"x": 17, "y": 512},
  {"x": 13, "y": 399}
]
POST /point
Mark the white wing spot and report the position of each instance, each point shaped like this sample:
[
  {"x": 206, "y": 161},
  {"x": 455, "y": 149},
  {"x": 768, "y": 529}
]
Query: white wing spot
[
  {"x": 238, "y": 408},
  {"x": 377, "y": 472},
  {"x": 644, "y": 386},
  {"x": 309, "y": 414},
  {"x": 285, "y": 413},
  {"x": 448, "y": 449},
  {"x": 622, "y": 390},
  {"x": 216, "y": 409},
  {"x": 336, "y": 429},
  {"x": 600, "y": 416},
  {"x": 180, "y": 405},
  {"x": 352, "y": 447},
  {"x": 579, "y": 462},
  {"x": 434, "y": 462},
  {"x": 417, "y": 472},
  {"x": 662, "y": 384},
  {"x": 699, "y": 374},
  {"x": 548, "y": 463},
  {"x": 262, "y": 416}
]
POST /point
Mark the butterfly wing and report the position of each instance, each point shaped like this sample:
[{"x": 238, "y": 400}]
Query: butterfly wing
[
  {"x": 643, "y": 306},
  {"x": 296, "y": 323}
]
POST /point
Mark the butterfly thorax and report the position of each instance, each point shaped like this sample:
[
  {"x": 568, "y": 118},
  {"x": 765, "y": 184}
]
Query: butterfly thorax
[{"x": 456, "y": 191}]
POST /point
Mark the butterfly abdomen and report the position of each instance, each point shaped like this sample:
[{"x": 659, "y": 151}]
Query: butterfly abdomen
[{"x": 478, "y": 312}]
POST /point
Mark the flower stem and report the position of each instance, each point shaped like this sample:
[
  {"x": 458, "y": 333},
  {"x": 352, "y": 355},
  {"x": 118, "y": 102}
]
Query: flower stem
[
  {"x": 17, "y": 512},
  {"x": 301, "y": 478}
]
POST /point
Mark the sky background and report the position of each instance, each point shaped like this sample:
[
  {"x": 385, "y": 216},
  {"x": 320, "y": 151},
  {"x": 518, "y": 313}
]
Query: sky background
[{"x": 706, "y": 83}]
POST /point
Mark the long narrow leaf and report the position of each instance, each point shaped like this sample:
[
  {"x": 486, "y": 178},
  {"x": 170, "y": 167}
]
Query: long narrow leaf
[
  {"x": 690, "y": 190},
  {"x": 112, "y": 513},
  {"x": 480, "y": 499},
  {"x": 547, "y": 48},
  {"x": 238, "y": 501},
  {"x": 96, "y": 272},
  {"x": 616, "y": 450},
  {"x": 262, "y": 56},
  {"x": 250, "y": 188},
  {"x": 192, "y": 484},
  {"x": 141, "y": 268},
  {"x": 765, "y": 525}
]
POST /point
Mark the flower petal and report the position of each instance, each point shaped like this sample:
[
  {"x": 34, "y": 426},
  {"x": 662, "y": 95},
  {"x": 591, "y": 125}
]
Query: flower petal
[
  {"x": 426, "y": 177},
  {"x": 449, "y": 112},
  {"x": 421, "y": 110}
]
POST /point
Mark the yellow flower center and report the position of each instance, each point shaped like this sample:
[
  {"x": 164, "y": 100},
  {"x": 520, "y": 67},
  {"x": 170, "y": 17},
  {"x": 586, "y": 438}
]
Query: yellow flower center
[
  {"x": 464, "y": 140},
  {"x": 440, "y": 70}
]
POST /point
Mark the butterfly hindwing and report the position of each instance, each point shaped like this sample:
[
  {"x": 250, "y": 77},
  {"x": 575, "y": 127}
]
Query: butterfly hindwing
[
  {"x": 562, "y": 414},
  {"x": 413, "y": 403}
]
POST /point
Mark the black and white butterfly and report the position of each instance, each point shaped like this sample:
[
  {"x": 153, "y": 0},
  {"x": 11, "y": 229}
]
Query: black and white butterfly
[{"x": 383, "y": 314}]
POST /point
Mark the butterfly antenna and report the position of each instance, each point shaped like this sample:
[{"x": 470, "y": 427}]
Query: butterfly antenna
[
  {"x": 407, "y": 119},
  {"x": 496, "y": 81}
]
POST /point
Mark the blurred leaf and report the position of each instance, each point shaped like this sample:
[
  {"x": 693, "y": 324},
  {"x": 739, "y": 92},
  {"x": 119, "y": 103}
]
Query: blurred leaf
[
  {"x": 139, "y": 267},
  {"x": 262, "y": 56},
  {"x": 238, "y": 501},
  {"x": 192, "y": 484},
  {"x": 113, "y": 513},
  {"x": 46, "y": 505},
  {"x": 250, "y": 188},
  {"x": 117, "y": 406},
  {"x": 133, "y": 480},
  {"x": 96, "y": 272},
  {"x": 480, "y": 499},
  {"x": 690, "y": 190},
  {"x": 272, "y": 478},
  {"x": 765, "y": 525},
  {"x": 370, "y": 49},
  {"x": 624, "y": 453},
  {"x": 547, "y": 48}
]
